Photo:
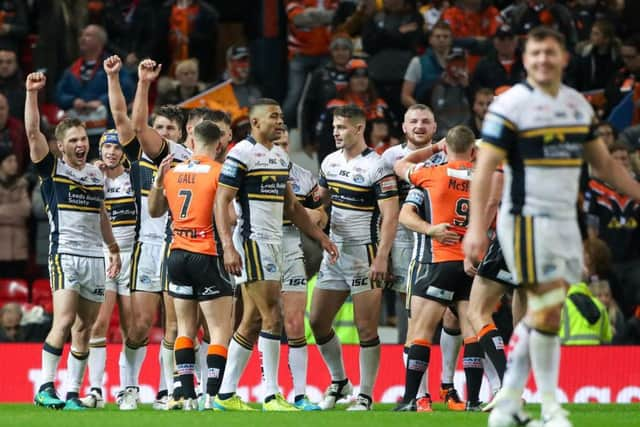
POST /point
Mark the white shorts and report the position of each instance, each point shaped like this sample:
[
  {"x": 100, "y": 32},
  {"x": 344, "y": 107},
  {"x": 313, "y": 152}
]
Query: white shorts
[
  {"x": 351, "y": 270},
  {"x": 260, "y": 262},
  {"x": 84, "y": 275},
  {"x": 541, "y": 249},
  {"x": 400, "y": 259},
  {"x": 120, "y": 283},
  {"x": 146, "y": 262},
  {"x": 294, "y": 278}
]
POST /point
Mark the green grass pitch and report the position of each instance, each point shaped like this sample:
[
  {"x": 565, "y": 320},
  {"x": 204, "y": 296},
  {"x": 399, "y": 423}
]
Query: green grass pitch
[{"x": 586, "y": 415}]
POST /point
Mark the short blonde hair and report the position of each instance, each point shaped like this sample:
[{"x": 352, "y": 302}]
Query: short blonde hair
[{"x": 187, "y": 64}]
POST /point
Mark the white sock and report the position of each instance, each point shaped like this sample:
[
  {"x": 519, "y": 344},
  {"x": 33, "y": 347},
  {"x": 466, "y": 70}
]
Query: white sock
[
  {"x": 50, "y": 360},
  {"x": 518, "y": 366},
  {"x": 450, "y": 347},
  {"x": 134, "y": 357},
  {"x": 167, "y": 366},
  {"x": 237, "y": 359},
  {"x": 298, "y": 367},
  {"x": 544, "y": 351},
  {"x": 203, "y": 372},
  {"x": 76, "y": 364},
  {"x": 331, "y": 352},
  {"x": 491, "y": 374},
  {"x": 122, "y": 369},
  {"x": 269, "y": 348},
  {"x": 422, "y": 389},
  {"x": 162, "y": 384},
  {"x": 369, "y": 364},
  {"x": 97, "y": 361}
]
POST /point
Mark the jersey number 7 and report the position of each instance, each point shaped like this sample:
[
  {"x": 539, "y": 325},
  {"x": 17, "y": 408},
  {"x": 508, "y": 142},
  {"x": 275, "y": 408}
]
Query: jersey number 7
[{"x": 185, "y": 203}]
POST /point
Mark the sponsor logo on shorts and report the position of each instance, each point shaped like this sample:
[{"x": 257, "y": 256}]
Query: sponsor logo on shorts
[
  {"x": 98, "y": 291},
  {"x": 432, "y": 291},
  {"x": 210, "y": 290},
  {"x": 145, "y": 280},
  {"x": 271, "y": 268}
]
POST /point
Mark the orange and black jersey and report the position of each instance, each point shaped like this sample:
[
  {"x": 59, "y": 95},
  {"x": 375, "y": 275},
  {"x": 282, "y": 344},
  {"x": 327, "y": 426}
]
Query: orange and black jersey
[
  {"x": 190, "y": 189},
  {"x": 442, "y": 196}
]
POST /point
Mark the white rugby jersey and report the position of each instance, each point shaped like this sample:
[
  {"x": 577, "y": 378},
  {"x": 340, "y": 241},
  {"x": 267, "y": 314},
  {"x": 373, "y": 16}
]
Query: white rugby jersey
[
  {"x": 121, "y": 208},
  {"x": 543, "y": 139},
  {"x": 260, "y": 176},
  {"x": 143, "y": 173},
  {"x": 73, "y": 200},
  {"x": 355, "y": 187},
  {"x": 421, "y": 242}
]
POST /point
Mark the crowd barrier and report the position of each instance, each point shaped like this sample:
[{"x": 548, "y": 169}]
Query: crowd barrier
[{"x": 604, "y": 374}]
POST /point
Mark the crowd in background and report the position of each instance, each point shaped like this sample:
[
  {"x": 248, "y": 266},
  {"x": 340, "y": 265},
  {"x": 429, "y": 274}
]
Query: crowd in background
[{"x": 312, "y": 56}]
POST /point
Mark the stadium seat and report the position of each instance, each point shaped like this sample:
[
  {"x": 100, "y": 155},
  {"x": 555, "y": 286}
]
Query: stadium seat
[
  {"x": 41, "y": 294},
  {"x": 14, "y": 290}
]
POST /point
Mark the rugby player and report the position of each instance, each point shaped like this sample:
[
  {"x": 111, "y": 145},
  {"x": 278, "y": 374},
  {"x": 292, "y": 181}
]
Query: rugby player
[
  {"x": 359, "y": 189},
  {"x": 542, "y": 129},
  {"x": 73, "y": 192}
]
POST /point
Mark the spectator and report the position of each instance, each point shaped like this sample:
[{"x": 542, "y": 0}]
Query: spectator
[
  {"x": 602, "y": 290},
  {"x": 191, "y": 27},
  {"x": 11, "y": 82},
  {"x": 361, "y": 92},
  {"x": 481, "y": 100},
  {"x": 473, "y": 23},
  {"x": 449, "y": 96},
  {"x": 584, "y": 319},
  {"x": 607, "y": 133},
  {"x": 614, "y": 218},
  {"x": 529, "y": 14},
  {"x": 391, "y": 37},
  {"x": 425, "y": 70},
  {"x": 12, "y": 328},
  {"x": 323, "y": 85},
  {"x": 309, "y": 37},
  {"x": 15, "y": 209},
  {"x": 239, "y": 71},
  {"x": 503, "y": 65},
  {"x": 130, "y": 25},
  {"x": 82, "y": 90},
  {"x": 12, "y": 135},
  {"x": 379, "y": 136},
  {"x": 595, "y": 62},
  {"x": 351, "y": 16},
  {"x": 432, "y": 12},
  {"x": 628, "y": 76},
  {"x": 59, "y": 23},
  {"x": 184, "y": 87},
  {"x": 14, "y": 25},
  {"x": 587, "y": 12}
]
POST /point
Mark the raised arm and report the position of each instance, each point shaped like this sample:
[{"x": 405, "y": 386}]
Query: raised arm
[
  {"x": 150, "y": 140},
  {"x": 38, "y": 146},
  {"x": 117, "y": 101},
  {"x": 404, "y": 166}
]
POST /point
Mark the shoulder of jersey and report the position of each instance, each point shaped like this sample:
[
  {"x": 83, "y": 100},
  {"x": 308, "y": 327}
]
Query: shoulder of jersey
[
  {"x": 179, "y": 151},
  {"x": 93, "y": 170},
  {"x": 507, "y": 103},
  {"x": 577, "y": 97},
  {"x": 393, "y": 154},
  {"x": 299, "y": 170},
  {"x": 241, "y": 147}
]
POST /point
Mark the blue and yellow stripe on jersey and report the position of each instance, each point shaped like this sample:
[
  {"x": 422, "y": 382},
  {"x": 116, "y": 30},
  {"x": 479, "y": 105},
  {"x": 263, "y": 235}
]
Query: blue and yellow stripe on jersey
[{"x": 350, "y": 196}]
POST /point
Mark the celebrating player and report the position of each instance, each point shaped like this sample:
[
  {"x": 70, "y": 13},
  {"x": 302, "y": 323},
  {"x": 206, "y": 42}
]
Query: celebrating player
[{"x": 73, "y": 192}]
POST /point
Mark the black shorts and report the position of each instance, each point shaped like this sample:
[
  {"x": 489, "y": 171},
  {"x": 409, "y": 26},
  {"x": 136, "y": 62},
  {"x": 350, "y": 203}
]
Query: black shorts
[
  {"x": 445, "y": 282},
  {"x": 493, "y": 266},
  {"x": 197, "y": 276}
]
